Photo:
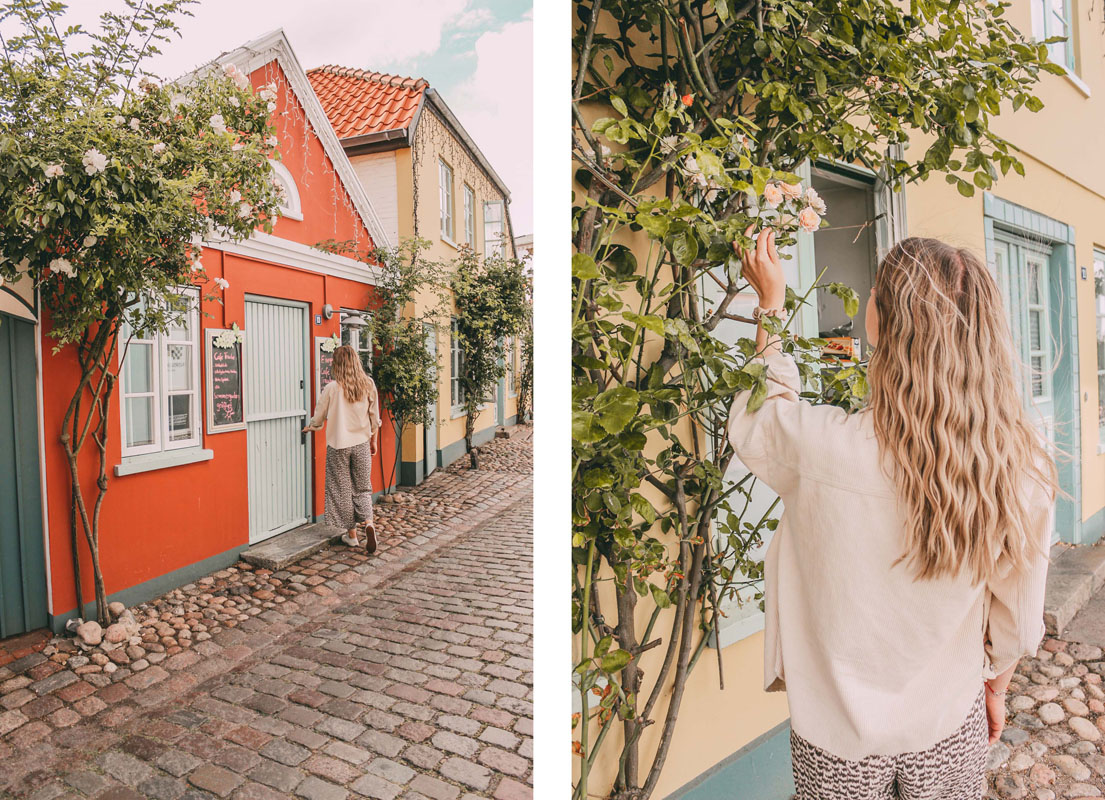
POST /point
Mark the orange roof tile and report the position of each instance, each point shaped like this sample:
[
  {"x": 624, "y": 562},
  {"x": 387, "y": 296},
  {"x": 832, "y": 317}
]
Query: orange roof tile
[{"x": 360, "y": 102}]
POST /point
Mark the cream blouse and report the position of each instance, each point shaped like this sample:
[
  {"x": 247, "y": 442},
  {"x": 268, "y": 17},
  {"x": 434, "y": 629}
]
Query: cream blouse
[
  {"x": 349, "y": 424},
  {"x": 872, "y": 661}
]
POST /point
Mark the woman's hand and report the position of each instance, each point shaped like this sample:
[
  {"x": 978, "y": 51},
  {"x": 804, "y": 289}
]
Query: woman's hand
[
  {"x": 307, "y": 429},
  {"x": 372, "y": 444},
  {"x": 995, "y": 714},
  {"x": 763, "y": 270}
]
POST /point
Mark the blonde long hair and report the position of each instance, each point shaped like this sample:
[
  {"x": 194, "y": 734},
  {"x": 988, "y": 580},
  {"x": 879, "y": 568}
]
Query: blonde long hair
[
  {"x": 948, "y": 415},
  {"x": 346, "y": 369}
]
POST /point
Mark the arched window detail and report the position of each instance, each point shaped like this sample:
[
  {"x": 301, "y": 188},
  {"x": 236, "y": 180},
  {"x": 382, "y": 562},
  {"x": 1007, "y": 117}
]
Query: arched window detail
[{"x": 291, "y": 207}]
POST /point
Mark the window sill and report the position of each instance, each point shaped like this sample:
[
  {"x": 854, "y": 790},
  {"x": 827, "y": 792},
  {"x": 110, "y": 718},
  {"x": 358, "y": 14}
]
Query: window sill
[
  {"x": 450, "y": 242},
  {"x": 1071, "y": 76},
  {"x": 169, "y": 458},
  {"x": 456, "y": 412}
]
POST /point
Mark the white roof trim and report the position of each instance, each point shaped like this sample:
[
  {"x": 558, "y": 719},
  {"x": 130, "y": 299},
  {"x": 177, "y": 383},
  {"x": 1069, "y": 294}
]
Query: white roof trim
[
  {"x": 255, "y": 54},
  {"x": 266, "y": 247}
]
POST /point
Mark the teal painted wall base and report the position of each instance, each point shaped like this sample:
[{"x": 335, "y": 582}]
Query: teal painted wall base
[
  {"x": 758, "y": 771},
  {"x": 411, "y": 473},
  {"x": 1094, "y": 528},
  {"x": 156, "y": 586}
]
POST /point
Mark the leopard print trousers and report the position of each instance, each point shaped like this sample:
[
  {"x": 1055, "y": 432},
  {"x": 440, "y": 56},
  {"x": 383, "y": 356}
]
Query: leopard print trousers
[
  {"x": 348, "y": 486},
  {"x": 952, "y": 769}
]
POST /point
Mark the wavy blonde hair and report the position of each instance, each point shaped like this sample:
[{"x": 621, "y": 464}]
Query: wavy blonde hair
[
  {"x": 948, "y": 415},
  {"x": 346, "y": 369}
]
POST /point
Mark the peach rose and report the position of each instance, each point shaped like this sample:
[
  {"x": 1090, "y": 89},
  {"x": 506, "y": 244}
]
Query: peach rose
[
  {"x": 808, "y": 220},
  {"x": 815, "y": 201},
  {"x": 773, "y": 195},
  {"x": 792, "y": 191}
]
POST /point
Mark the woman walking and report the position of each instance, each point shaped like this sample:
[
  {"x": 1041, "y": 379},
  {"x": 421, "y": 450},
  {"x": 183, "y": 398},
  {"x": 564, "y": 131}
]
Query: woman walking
[
  {"x": 351, "y": 408},
  {"x": 906, "y": 578}
]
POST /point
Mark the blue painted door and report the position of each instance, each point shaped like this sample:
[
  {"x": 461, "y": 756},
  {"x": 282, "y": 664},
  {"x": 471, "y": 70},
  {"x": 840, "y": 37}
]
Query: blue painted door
[
  {"x": 277, "y": 393},
  {"x": 22, "y": 556}
]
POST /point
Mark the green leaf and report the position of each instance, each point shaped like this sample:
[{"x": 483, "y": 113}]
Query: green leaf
[
  {"x": 584, "y": 267},
  {"x": 759, "y": 394},
  {"x": 615, "y": 407},
  {"x": 619, "y": 105},
  {"x": 660, "y": 597},
  {"x": 649, "y": 321},
  {"x": 615, "y": 660}
]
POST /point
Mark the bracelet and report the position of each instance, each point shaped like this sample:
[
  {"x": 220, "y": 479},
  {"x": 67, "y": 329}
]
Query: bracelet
[
  {"x": 778, "y": 313},
  {"x": 991, "y": 691}
]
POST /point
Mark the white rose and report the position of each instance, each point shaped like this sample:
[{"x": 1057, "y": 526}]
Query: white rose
[
  {"x": 816, "y": 202},
  {"x": 94, "y": 161},
  {"x": 218, "y": 124},
  {"x": 271, "y": 107},
  {"x": 235, "y": 196},
  {"x": 118, "y": 120},
  {"x": 54, "y": 171},
  {"x": 272, "y": 141},
  {"x": 237, "y": 146},
  {"x": 90, "y": 240},
  {"x": 62, "y": 266},
  {"x": 234, "y": 101},
  {"x": 159, "y": 147},
  {"x": 792, "y": 191},
  {"x": 222, "y": 283},
  {"x": 773, "y": 196},
  {"x": 245, "y": 210},
  {"x": 177, "y": 100},
  {"x": 134, "y": 123},
  {"x": 163, "y": 118}
]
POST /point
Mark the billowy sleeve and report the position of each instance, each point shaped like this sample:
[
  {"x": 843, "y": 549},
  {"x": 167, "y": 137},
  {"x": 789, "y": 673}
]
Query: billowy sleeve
[
  {"x": 374, "y": 421},
  {"x": 768, "y": 440},
  {"x": 322, "y": 406},
  {"x": 1015, "y": 623}
]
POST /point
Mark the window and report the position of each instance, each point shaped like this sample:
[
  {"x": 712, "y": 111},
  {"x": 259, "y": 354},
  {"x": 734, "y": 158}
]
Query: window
[
  {"x": 159, "y": 387},
  {"x": 1039, "y": 332},
  {"x": 1099, "y": 299},
  {"x": 445, "y": 179},
  {"x": 511, "y": 368},
  {"x": 1052, "y": 18},
  {"x": 290, "y": 206},
  {"x": 356, "y": 333},
  {"x": 456, "y": 362},
  {"x": 493, "y": 229},
  {"x": 469, "y": 217}
]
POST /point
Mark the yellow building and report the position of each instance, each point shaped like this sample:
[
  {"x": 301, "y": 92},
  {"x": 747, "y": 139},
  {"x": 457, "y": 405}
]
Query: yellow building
[
  {"x": 428, "y": 179},
  {"x": 1043, "y": 235}
]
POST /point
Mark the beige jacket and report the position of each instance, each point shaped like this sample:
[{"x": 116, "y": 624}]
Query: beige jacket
[
  {"x": 873, "y": 662},
  {"x": 349, "y": 424}
]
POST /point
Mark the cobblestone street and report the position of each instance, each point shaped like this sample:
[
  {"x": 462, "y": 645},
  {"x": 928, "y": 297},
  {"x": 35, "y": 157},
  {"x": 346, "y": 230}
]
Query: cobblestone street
[
  {"x": 403, "y": 674},
  {"x": 1051, "y": 747}
]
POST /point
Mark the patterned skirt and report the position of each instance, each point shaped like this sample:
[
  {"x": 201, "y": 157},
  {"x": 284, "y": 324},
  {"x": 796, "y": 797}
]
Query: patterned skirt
[
  {"x": 952, "y": 769},
  {"x": 348, "y": 486}
]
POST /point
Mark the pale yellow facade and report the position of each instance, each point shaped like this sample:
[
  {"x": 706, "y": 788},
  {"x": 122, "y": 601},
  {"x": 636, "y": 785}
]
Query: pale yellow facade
[
  {"x": 413, "y": 177},
  {"x": 1064, "y": 181}
]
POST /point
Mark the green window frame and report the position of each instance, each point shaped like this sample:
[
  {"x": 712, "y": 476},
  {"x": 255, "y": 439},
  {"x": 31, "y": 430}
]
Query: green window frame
[
  {"x": 1039, "y": 325},
  {"x": 1099, "y": 319}
]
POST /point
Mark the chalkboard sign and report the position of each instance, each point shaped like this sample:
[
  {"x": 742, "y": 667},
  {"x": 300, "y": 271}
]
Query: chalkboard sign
[
  {"x": 225, "y": 385},
  {"x": 323, "y": 360}
]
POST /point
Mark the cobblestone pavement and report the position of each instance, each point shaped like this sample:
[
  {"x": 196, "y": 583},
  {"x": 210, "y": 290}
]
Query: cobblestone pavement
[
  {"x": 1051, "y": 747},
  {"x": 501, "y": 454},
  {"x": 405, "y": 674}
]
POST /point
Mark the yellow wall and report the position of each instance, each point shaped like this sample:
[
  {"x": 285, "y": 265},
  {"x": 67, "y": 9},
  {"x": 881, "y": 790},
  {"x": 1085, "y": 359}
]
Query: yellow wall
[{"x": 419, "y": 214}]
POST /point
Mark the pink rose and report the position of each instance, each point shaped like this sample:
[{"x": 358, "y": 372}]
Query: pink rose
[
  {"x": 773, "y": 195},
  {"x": 792, "y": 191},
  {"x": 808, "y": 220},
  {"x": 815, "y": 201}
]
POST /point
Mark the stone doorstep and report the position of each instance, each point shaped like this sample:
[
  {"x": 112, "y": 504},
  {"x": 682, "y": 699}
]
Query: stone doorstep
[
  {"x": 291, "y": 546},
  {"x": 1075, "y": 574}
]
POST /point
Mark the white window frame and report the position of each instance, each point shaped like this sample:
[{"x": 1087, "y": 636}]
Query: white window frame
[
  {"x": 1044, "y": 352},
  {"x": 469, "y": 217},
  {"x": 493, "y": 243},
  {"x": 456, "y": 360},
  {"x": 445, "y": 195},
  {"x": 1045, "y": 24},
  {"x": 159, "y": 380},
  {"x": 360, "y": 337},
  {"x": 292, "y": 207}
]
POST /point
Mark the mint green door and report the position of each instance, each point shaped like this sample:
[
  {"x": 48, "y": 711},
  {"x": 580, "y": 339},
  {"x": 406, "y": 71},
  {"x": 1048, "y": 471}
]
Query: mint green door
[
  {"x": 1023, "y": 271},
  {"x": 276, "y": 404},
  {"x": 22, "y": 557}
]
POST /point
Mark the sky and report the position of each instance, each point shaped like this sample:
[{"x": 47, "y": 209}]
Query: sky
[{"x": 478, "y": 54}]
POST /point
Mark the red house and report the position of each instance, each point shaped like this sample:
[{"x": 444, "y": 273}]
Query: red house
[{"x": 206, "y": 455}]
